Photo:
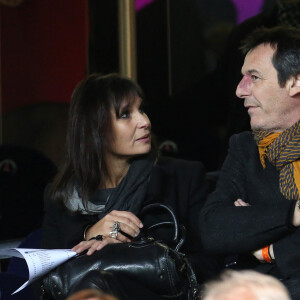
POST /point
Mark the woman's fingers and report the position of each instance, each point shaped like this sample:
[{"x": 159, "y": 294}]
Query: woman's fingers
[
  {"x": 128, "y": 222},
  {"x": 83, "y": 245},
  {"x": 122, "y": 238},
  {"x": 124, "y": 228},
  {"x": 93, "y": 245},
  {"x": 129, "y": 216},
  {"x": 104, "y": 243}
]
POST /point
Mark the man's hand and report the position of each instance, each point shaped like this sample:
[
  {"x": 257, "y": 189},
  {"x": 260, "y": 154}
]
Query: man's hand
[
  {"x": 240, "y": 202},
  {"x": 296, "y": 218},
  {"x": 258, "y": 254}
]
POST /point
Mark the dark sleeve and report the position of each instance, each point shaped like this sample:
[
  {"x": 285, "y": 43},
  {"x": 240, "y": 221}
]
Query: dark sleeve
[
  {"x": 51, "y": 231},
  {"x": 62, "y": 230},
  {"x": 230, "y": 230},
  {"x": 196, "y": 197},
  {"x": 287, "y": 253},
  {"x": 206, "y": 265}
]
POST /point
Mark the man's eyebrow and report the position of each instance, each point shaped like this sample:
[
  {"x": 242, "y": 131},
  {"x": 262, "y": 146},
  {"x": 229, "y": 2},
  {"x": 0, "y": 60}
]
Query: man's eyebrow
[{"x": 252, "y": 71}]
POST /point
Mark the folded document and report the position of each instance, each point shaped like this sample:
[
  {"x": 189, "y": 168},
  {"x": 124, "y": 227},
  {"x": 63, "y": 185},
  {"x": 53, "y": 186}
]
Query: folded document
[{"x": 39, "y": 261}]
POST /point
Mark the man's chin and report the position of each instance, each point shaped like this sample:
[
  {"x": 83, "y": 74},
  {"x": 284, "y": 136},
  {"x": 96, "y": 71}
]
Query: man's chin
[
  {"x": 257, "y": 124},
  {"x": 255, "y": 127}
]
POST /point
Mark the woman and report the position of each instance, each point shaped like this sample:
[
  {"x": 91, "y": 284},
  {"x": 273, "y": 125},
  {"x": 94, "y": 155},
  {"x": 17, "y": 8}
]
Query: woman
[{"x": 111, "y": 172}]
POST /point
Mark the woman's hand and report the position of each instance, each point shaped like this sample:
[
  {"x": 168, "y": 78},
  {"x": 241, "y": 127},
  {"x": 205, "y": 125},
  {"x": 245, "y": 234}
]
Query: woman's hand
[
  {"x": 93, "y": 245},
  {"x": 128, "y": 223}
]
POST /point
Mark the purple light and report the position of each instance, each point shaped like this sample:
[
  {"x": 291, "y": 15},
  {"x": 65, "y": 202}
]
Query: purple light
[
  {"x": 139, "y": 4},
  {"x": 247, "y": 9}
]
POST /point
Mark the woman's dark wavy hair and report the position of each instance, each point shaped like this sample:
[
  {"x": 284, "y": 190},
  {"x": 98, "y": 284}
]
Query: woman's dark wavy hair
[
  {"x": 88, "y": 133},
  {"x": 286, "y": 43}
]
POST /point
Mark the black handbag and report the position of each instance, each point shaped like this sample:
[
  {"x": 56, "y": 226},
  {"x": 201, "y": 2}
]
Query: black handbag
[{"x": 149, "y": 262}]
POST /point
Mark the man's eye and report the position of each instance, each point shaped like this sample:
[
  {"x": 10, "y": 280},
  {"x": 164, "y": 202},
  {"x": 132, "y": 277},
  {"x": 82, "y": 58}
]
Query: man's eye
[{"x": 254, "y": 78}]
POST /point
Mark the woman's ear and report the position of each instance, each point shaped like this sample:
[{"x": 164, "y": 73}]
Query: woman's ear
[{"x": 293, "y": 85}]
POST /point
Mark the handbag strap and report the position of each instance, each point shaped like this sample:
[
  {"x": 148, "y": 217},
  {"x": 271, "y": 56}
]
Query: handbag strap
[
  {"x": 194, "y": 290},
  {"x": 173, "y": 223}
]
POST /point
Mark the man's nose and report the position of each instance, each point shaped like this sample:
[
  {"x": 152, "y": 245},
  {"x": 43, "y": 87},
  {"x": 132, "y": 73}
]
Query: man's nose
[{"x": 244, "y": 87}]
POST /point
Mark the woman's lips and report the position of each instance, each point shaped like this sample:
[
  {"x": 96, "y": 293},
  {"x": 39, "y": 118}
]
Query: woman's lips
[{"x": 144, "y": 139}]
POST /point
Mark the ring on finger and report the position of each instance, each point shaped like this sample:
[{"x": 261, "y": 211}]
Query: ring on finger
[
  {"x": 114, "y": 232},
  {"x": 116, "y": 226}
]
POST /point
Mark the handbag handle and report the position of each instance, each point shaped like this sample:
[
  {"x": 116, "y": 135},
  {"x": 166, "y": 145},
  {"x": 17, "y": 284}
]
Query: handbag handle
[{"x": 174, "y": 221}]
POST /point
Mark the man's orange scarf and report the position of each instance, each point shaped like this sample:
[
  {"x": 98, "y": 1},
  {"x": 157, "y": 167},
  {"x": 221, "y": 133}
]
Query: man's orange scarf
[{"x": 282, "y": 149}]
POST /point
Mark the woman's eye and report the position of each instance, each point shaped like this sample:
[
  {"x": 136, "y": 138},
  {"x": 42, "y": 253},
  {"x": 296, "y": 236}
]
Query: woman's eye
[{"x": 124, "y": 115}]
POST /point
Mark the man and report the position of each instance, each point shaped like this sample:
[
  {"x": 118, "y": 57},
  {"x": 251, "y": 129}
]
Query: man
[
  {"x": 274, "y": 13},
  {"x": 255, "y": 208},
  {"x": 246, "y": 285}
]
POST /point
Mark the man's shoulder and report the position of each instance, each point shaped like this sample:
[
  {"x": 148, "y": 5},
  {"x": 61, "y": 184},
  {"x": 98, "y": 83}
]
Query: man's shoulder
[{"x": 242, "y": 139}]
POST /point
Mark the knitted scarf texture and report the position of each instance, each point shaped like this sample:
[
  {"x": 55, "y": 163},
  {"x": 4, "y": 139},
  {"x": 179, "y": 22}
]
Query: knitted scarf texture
[{"x": 282, "y": 149}]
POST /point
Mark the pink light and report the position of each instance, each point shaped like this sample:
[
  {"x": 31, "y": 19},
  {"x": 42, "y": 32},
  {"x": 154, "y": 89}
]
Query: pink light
[
  {"x": 139, "y": 4},
  {"x": 247, "y": 9}
]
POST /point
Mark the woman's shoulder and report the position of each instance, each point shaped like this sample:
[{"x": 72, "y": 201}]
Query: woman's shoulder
[{"x": 50, "y": 203}]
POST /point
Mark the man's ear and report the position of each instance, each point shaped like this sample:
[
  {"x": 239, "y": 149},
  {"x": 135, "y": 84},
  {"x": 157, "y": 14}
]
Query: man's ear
[{"x": 293, "y": 85}]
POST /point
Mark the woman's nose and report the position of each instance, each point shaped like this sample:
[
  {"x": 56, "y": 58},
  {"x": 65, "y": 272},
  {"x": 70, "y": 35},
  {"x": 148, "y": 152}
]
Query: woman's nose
[
  {"x": 143, "y": 121},
  {"x": 244, "y": 87}
]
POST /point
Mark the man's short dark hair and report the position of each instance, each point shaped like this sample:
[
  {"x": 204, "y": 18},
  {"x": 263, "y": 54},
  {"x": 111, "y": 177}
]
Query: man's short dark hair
[{"x": 286, "y": 43}]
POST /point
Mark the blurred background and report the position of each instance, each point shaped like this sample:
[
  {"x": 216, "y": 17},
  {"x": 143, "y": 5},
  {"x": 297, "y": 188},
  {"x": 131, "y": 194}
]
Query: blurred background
[
  {"x": 183, "y": 53},
  {"x": 48, "y": 46}
]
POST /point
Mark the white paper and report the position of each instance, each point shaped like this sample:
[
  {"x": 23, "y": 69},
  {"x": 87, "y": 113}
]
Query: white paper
[{"x": 39, "y": 261}]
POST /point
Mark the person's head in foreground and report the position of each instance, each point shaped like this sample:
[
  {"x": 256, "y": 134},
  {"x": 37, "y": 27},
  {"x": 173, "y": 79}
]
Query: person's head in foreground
[
  {"x": 90, "y": 294},
  {"x": 245, "y": 285},
  {"x": 270, "y": 85}
]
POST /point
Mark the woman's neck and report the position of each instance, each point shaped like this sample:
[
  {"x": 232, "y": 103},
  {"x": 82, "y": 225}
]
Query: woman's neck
[{"x": 116, "y": 171}]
